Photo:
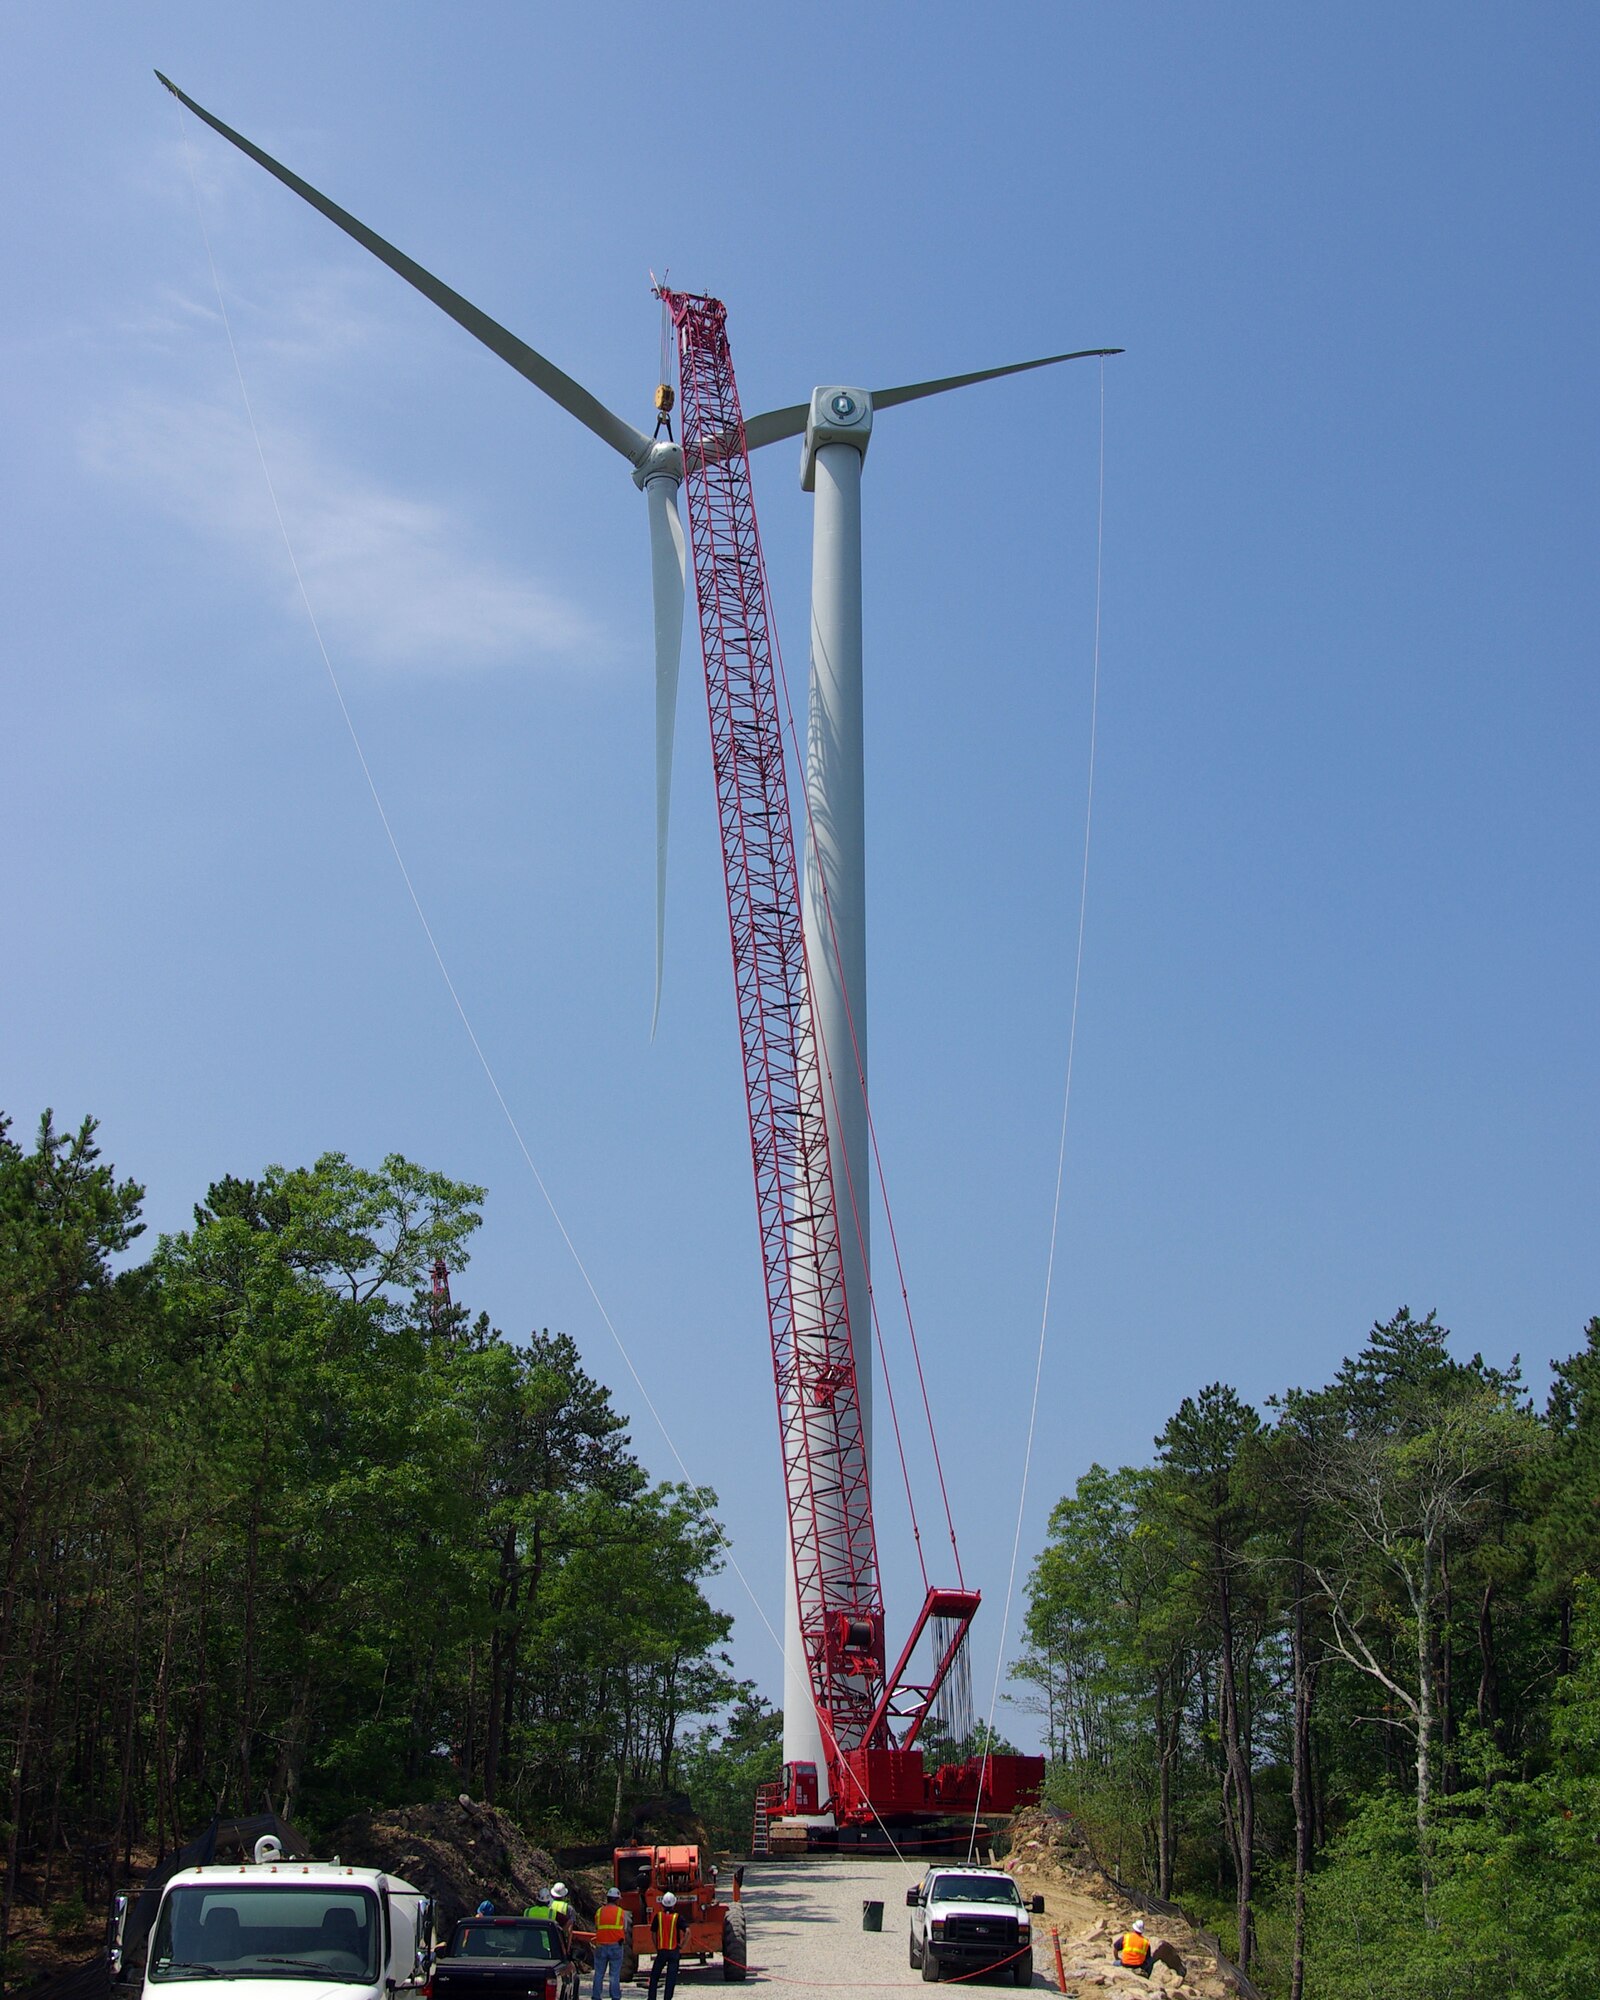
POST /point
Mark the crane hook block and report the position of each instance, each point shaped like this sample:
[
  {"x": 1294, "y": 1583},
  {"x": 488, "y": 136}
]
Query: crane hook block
[{"x": 664, "y": 397}]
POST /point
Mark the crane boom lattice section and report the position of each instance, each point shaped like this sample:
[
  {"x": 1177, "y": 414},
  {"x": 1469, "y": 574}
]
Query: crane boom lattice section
[{"x": 819, "y": 1409}]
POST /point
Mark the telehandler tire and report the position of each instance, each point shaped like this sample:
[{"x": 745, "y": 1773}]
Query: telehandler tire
[{"x": 735, "y": 1944}]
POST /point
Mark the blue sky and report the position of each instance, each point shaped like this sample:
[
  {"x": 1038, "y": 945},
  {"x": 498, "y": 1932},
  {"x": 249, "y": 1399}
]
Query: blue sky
[{"x": 1336, "y": 1050}]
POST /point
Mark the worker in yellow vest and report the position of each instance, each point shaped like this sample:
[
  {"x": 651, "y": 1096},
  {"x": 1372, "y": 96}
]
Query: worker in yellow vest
[
  {"x": 610, "y": 1933},
  {"x": 669, "y": 1941},
  {"x": 1133, "y": 1949}
]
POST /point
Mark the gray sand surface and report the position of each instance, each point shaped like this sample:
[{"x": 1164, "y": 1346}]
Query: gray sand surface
[{"x": 806, "y": 1940}]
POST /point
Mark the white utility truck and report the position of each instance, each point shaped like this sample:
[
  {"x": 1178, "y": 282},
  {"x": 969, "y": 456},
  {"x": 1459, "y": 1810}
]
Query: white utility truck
[
  {"x": 966, "y": 1920},
  {"x": 355, "y": 1933}
]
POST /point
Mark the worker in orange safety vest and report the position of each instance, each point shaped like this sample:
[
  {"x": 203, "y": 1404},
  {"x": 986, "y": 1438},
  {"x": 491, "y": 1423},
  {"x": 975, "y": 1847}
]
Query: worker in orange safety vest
[
  {"x": 669, "y": 1938},
  {"x": 1133, "y": 1949},
  {"x": 610, "y": 1931}
]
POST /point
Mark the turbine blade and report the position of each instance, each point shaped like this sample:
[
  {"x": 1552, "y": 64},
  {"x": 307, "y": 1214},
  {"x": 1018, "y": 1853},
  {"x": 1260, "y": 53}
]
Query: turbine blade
[
  {"x": 886, "y": 399},
  {"x": 772, "y": 425},
  {"x": 790, "y": 422},
  {"x": 558, "y": 386},
  {"x": 667, "y": 572}
]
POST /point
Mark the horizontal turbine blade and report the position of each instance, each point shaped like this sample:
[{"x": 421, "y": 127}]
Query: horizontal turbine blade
[
  {"x": 773, "y": 425},
  {"x": 543, "y": 374},
  {"x": 886, "y": 399}
]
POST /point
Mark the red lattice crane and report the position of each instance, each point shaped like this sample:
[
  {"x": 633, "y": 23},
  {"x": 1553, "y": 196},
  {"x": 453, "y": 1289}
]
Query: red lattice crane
[{"x": 869, "y": 1717}]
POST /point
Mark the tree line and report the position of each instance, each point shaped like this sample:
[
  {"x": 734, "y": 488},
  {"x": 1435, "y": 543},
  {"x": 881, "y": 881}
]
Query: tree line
[
  {"x": 1327, "y": 1673},
  {"x": 280, "y": 1525}
]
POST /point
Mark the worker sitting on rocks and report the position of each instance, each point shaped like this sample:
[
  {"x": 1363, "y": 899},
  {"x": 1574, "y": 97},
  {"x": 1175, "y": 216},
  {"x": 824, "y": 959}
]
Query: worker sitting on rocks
[
  {"x": 668, "y": 1942},
  {"x": 1133, "y": 1949}
]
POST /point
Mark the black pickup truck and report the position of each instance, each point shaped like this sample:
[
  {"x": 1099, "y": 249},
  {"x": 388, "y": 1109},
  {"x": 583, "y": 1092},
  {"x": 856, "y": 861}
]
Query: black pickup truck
[{"x": 504, "y": 1958}]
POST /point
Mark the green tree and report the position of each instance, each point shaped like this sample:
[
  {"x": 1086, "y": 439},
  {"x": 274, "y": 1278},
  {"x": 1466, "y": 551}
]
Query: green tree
[
  {"x": 721, "y": 1764},
  {"x": 1206, "y": 1491},
  {"x": 298, "y": 1297},
  {"x": 1415, "y": 1470}
]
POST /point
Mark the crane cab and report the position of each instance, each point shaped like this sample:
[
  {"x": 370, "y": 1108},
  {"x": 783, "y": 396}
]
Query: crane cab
[{"x": 798, "y": 1791}]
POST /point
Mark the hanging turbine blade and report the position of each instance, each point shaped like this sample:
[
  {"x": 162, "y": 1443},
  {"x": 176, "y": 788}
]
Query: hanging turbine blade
[
  {"x": 667, "y": 572},
  {"x": 773, "y": 425},
  {"x": 558, "y": 386}
]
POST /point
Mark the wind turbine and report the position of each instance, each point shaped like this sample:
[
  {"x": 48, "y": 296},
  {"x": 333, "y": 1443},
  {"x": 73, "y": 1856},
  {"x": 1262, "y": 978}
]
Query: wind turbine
[{"x": 836, "y": 426}]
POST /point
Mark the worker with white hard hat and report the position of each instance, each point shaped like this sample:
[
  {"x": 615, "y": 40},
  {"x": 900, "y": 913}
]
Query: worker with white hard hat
[
  {"x": 669, "y": 1942},
  {"x": 610, "y": 1935},
  {"x": 1133, "y": 1949}
]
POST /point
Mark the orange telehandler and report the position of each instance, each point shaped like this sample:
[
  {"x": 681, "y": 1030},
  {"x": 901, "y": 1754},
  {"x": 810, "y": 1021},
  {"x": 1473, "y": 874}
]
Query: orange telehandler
[{"x": 708, "y": 1926}]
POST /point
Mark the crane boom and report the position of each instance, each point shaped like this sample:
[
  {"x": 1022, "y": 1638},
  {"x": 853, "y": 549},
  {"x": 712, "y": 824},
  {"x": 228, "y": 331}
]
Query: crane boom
[
  {"x": 819, "y": 1409},
  {"x": 869, "y": 1719}
]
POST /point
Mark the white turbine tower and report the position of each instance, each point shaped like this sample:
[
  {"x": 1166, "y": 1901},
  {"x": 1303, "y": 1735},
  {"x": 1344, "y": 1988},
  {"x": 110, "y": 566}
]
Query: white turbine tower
[{"x": 836, "y": 426}]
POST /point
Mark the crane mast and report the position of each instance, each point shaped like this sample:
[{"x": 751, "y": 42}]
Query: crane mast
[
  {"x": 819, "y": 1410},
  {"x": 870, "y": 1718}
]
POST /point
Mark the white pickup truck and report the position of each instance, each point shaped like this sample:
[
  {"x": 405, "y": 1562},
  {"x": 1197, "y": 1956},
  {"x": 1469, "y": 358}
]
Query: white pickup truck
[
  {"x": 284, "y": 1926},
  {"x": 971, "y": 1920}
]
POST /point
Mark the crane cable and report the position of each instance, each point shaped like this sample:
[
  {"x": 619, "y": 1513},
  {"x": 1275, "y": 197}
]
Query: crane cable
[
  {"x": 1066, "y": 1101},
  {"x": 723, "y": 1542}
]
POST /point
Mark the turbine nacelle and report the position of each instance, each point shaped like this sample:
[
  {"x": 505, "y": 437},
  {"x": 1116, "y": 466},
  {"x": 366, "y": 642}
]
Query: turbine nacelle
[
  {"x": 663, "y": 461},
  {"x": 837, "y": 415}
]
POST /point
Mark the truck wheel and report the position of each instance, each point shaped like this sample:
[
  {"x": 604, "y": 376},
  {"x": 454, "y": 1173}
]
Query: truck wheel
[
  {"x": 630, "y": 1965},
  {"x": 911, "y": 1952},
  {"x": 930, "y": 1966},
  {"x": 1022, "y": 1970},
  {"x": 735, "y": 1943}
]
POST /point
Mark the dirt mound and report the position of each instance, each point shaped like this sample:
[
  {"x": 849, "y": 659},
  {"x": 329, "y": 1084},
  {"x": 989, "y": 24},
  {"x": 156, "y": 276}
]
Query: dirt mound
[
  {"x": 667, "y": 1819},
  {"x": 459, "y": 1852},
  {"x": 1088, "y": 1910}
]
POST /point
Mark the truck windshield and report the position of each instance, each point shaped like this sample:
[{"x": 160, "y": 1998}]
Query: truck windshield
[
  {"x": 974, "y": 1889},
  {"x": 244, "y": 1930}
]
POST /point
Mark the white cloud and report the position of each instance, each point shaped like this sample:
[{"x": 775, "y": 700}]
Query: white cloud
[{"x": 390, "y": 577}]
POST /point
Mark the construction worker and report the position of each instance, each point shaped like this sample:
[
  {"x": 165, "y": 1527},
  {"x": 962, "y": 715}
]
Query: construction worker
[
  {"x": 542, "y": 1908},
  {"x": 610, "y": 1934},
  {"x": 1133, "y": 1949},
  {"x": 561, "y": 1911},
  {"x": 668, "y": 1943}
]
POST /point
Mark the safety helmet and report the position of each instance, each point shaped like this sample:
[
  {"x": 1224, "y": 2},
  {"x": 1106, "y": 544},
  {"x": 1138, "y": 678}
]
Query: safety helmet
[
  {"x": 485, "y": 1908},
  {"x": 669, "y": 1901},
  {"x": 1138, "y": 1924},
  {"x": 613, "y": 1893},
  {"x": 558, "y": 1888}
]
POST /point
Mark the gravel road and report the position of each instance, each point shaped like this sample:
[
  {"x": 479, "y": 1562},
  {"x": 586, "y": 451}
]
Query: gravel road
[{"x": 806, "y": 1938}]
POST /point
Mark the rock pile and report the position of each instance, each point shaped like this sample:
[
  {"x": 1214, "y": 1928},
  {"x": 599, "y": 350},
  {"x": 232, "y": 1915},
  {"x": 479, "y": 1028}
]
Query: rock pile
[{"x": 1088, "y": 1910}]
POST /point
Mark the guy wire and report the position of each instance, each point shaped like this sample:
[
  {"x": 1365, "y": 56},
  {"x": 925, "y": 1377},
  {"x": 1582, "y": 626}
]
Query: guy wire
[{"x": 1066, "y": 1104}]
